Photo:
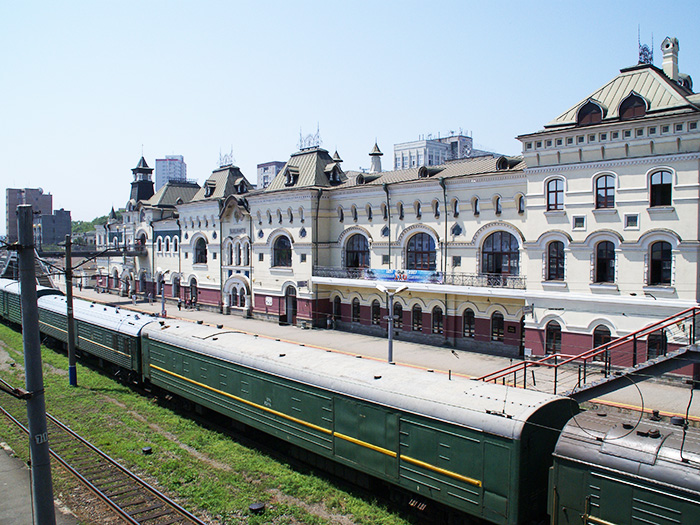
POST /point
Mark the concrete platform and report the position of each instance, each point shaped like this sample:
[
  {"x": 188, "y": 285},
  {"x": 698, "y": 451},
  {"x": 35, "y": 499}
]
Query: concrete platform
[
  {"x": 15, "y": 493},
  {"x": 668, "y": 397}
]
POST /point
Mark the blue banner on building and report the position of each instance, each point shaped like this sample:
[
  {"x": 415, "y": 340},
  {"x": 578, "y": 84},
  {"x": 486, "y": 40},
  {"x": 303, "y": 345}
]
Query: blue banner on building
[{"x": 406, "y": 276}]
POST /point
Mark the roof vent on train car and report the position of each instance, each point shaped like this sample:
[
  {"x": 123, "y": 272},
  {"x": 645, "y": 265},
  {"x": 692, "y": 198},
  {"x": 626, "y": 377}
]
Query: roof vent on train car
[
  {"x": 654, "y": 433},
  {"x": 200, "y": 322},
  {"x": 219, "y": 326},
  {"x": 677, "y": 421},
  {"x": 655, "y": 415},
  {"x": 282, "y": 355},
  {"x": 377, "y": 377}
]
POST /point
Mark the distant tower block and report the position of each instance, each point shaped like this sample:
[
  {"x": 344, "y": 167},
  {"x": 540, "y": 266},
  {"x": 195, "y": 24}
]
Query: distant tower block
[{"x": 376, "y": 156}]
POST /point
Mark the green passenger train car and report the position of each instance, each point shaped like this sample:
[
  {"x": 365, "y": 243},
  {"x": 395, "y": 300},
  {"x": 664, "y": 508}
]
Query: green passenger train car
[
  {"x": 105, "y": 332},
  {"x": 480, "y": 448},
  {"x": 615, "y": 468},
  {"x": 10, "y": 302}
]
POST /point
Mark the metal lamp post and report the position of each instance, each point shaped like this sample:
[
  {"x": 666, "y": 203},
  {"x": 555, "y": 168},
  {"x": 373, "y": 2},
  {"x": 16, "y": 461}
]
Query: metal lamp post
[{"x": 390, "y": 318}]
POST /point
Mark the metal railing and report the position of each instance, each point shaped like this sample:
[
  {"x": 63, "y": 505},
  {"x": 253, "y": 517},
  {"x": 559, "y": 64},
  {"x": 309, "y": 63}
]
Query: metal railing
[
  {"x": 483, "y": 280},
  {"x": 675, "y": 332}
]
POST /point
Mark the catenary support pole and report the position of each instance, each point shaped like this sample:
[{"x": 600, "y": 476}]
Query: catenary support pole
[
  {"x": 72, "y": 372},
  {"x": 42, "y": 490}
]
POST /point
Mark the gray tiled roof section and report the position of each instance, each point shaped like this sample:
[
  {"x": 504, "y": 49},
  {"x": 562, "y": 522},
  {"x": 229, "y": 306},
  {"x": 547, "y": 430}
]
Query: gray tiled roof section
[
  {"x": 223, "y": 182},
  {"x": 310, "y": 166},
  {"x": 660, "y": 92},
  {"x": 470, "y": 167},
  {"x": 173, "y": 191}
]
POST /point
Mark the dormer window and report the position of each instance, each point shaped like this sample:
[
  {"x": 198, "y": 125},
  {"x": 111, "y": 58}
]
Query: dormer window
[
  {"x": 241, "y": 188},
  {"x": 209, "y": 189},
  {"x": 590, "y": 113},
  {"x": 633, "y": 106},
  {"x": 291, "y": 175}
]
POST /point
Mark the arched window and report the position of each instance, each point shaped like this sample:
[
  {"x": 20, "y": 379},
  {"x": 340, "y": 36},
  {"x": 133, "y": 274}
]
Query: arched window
[
  {"x": 159, "y": 244},
  {"x": 229, "y": 254},
  {"x": 376, "y": 312},
  {"x": 500, "y": 254},
  {"x": 399, "y": 207},
  {"x": 238, "y": 254},
  {"x": 353, "y": 209},
  {"x": 200, "y": 251},
  {"x": 385, "y": 213},
  {"x": 246, "y": 253},
  {"x": 660, "y": 189},
  {"x": 436, "y": 209},
  {"x": 520, "y": 203},
  {"x": 355, "y": 310},
  {"x": 657, "y": 344},
  {"x": 437, "y": 320},
  {"x": 416, "y": 318},
  {"x": 605, "y": 192},
  {"x": 336, "y": 308},
  {"x": 552, "y": 338},
  {"x": 555, "y": 261},
  {"x": 497, "y": 325},
  {"x": 341, "y": 215},
  {"x": 420, "y": 252},
  {"x": 601, "y": 335},
  {"x": 605, "y": 262},
  {"x": 167, "y": 244},
  {"x": 417, "y": 207},
  {"x": 241, "y": 296},
  {"x": 632, "y": 107},
  {"x": 555, "y": 195},
  {"x": 175, "y": 244},
  {"x": 455, "y": 208},
  {"x": 498, "y": 206},
  {"x": 369, "y": 212},
  {"x": 590, "y": 113},
  {"x": 282, "y": 252},
  {"x": 357, "y": 252},
  {"x": 468, "y": 323},
  {"x": 661, "y": 264},
  {"x": 398, "y": 315},
  {"x": 475, "y": 206}
]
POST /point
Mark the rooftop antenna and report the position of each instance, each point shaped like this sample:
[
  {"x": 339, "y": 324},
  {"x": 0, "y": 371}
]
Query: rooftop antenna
[{"x": 646, "y": 54}]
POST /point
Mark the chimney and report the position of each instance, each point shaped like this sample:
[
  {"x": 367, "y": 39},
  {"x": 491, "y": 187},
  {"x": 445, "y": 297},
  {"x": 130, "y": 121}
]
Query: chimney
[{"x": 669, "y": 47}]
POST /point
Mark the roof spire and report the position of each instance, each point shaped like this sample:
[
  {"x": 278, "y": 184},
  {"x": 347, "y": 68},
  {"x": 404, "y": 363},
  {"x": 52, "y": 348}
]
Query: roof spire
[{"x": 646, "y": 53}]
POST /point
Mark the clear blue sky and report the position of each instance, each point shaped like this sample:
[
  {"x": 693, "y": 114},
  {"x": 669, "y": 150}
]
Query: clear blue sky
[{"x": 86, "y": 84}]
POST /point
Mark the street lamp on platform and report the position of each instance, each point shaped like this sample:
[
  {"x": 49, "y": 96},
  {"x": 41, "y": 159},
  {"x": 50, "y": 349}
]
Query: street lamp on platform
[{"x": 390, "y": 317}]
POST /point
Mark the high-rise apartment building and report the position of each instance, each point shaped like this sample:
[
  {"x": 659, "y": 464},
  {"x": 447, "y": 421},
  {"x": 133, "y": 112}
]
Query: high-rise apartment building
[
  {"x": 434, "y": 151},
  {"x": 172, "y": 167},
  {"x": 42, "y": 204},
  {"x": 267, "y": 171}
]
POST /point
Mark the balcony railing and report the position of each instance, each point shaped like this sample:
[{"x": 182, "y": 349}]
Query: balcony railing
[{"x": 483, "y": 280}]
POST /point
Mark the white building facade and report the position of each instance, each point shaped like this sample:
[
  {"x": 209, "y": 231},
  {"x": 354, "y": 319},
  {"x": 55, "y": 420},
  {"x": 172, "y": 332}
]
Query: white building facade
[{"x": 589, "y": 235}]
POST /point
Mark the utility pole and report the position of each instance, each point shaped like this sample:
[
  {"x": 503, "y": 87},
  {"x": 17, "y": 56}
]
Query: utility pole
[
  {"x": 72, "y": 372},
  {"x": 42, "y": 489}
]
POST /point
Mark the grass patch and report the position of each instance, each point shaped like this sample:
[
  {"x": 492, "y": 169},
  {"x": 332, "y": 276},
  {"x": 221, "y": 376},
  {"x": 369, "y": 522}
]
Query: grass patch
[{"x": 205, "y": 470}]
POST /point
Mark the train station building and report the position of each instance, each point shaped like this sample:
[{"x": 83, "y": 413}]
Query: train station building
[{"x": 589, "y": 234}]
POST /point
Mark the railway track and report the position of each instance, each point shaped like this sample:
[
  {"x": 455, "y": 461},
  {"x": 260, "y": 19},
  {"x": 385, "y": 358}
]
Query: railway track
[{"x": 131, "y": 498}]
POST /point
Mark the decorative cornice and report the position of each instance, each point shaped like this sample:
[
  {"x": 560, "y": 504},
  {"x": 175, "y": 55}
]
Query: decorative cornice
[{"x": 607, "y": 164}]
